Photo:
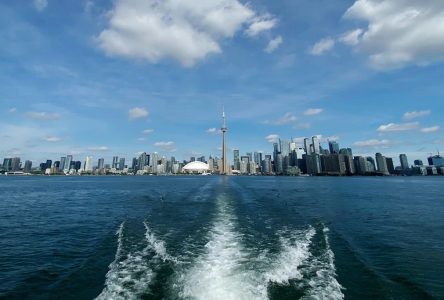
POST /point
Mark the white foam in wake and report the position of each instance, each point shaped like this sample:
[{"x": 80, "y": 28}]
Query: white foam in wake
[
  {"x": 324, "y": 285},
  {"x": 128, "y": 275},
  {"x": 157, "y": 245},
  {"x": 221, "y": 272},
  {"x": 295, "y": 252}
]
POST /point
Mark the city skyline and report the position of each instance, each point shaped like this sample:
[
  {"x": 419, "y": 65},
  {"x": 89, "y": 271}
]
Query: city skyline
[{"x": 287, "y": 69}]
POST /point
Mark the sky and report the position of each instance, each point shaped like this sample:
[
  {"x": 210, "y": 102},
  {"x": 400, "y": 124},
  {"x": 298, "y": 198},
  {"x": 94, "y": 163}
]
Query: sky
[{"x": 121, "y": 77}]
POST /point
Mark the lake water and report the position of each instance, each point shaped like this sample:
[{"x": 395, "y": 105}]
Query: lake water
[{"x": 209, "y": 237}]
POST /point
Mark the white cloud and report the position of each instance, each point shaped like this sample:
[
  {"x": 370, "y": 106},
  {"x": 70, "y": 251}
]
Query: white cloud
[
  {"x": 260, "y": 25},
  {"x": 141, "y": 139},
  {"x": 40, "y": 5},
  {"x": 323, "y": 46},
  {"x": 213, "y": 131},
  {"x": 185, "y": 31},
  {"x": 166, "y": 146},
  {"x": 333, "y": 138},
  {"x": 416, "y": 114},
  {"x": 372, "y": 143},
  {"x": 148, "y": 131},
  {"x": 400, "y": 32},
  {"x": 352, "y": 37},
  {"x": 302, "y": 126},
  {"x": 88, "y": 6},
  {"x": 273, "y": 44},
  {"x": 430, "y": 129},
  {"x": 99, "y": 149},
  {"x": 272, "y": 138},
  {"x": 287, "y": 118},
  {"x": 52, "y": 139},
  {"x": 313, "y": 111},
  {"x": 392, "y": 127},
  {"x": 43, "y": 116},
  {"x": 137, "y": 112},
  {"x": 12, "y": 110}
]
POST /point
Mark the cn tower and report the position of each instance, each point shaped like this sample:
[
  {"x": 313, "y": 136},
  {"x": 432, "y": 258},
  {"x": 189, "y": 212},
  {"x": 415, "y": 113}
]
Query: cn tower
[{"x": 224, "y": 170}]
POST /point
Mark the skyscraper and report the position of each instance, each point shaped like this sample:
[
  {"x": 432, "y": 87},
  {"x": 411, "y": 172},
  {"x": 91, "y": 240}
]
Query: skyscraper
[
  {"x": 101, "y": 164},
  {"x": 333, "y": 147},
  {"x": 15, "y": 164},
  {"x": 404, "y": 162},
  {"x": 68, "y": 163},
  {"x": 307, "y": 146},
  {"x": 236, "y": 160},
  {"x": 121, "y": 164},
  {"x": 224, "y": 129},
  {"x": 316, "y": 146},
  {"x": 115, "y": 164},
  {"x": 28, "y": 166},
  {"x": 88, "y": 167},
  {"x": 62, "y": 163},
  {"x": 382, "y": 164}
]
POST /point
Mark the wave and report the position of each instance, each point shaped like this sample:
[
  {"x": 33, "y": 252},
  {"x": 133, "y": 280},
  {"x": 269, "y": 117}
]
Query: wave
[
  {"x": 324, "y": 283},
  {"x": 295, "y": 252},
  {"x": 129, "y": 274},
  {"x": 158, "y": 246}
]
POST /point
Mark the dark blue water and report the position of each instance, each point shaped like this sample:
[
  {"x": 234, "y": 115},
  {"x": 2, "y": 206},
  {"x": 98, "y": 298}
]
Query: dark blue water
[{"x": 208, "y": 237}]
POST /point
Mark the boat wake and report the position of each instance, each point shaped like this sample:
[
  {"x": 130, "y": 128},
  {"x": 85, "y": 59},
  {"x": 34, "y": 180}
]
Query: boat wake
[
  {"x": 132, "y": 271},
  {"x": 225, "y": 267}
]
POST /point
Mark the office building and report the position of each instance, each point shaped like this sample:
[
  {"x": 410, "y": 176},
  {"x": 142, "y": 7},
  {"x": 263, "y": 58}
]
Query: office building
[
  {"x": 390, "y": 165},
  {"x": 404, "y": 162},
  {"x": 381, "y": 163},
  {"x": 121, "y": 164},
  {"x": 436, "y": 160},
  {"x": 333, "y": 147}
]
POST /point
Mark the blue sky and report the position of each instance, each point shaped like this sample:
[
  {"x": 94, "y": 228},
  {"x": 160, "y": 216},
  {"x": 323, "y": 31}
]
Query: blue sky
[{"x": 120, "y": 77}]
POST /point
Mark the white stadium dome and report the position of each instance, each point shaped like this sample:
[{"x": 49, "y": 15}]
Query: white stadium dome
[{"x": 196, "y": 167}]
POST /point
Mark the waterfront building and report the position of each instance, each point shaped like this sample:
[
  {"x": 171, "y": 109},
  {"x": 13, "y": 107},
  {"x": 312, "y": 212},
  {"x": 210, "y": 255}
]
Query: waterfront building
[
  {"x": 371, "y": 165},
  {"x": 88, "y": 166},
  {"x": 28, "y": 166},
  {"x": 196, "y": 167},
  {"x": 68, "y": 164},
  {"x": 404, "y": 162},
  {"x": 101, "y": 164},
  {"x": 382, "y": 165},
  {"x": 77, "y": 165},
  {"x": 418, "y": 162},
  {"x": 115, "y": 164},
  {"x": 307, "y": 145},
  {"x": 15, "y": 164},
  {"x": 278, "y": 164},
  {"x": 333, "y": 147},
  {"x": 390, "y": 165},
  {"x": 211, "y": 164},
  {"x": 7, "y": 164},
  {"x": 346, "y": 151},
  {"x": 143, "y": 161},
  {"x": 48, "y": 164},
  {"x": 360, "y": 165},
  {"x": 436, "y": 160},
  {"x": 62, "y": 163},
  {"x": 316, "y": 145},
  {"x": 432, "y": 170},
  {"x": 349, "y": 165},
  {"x": 244, "y": 165},
  {"x": 121, "y": 164},
  {"x": 154, "y": 162},
  {"x": 333, "y": 164}
]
